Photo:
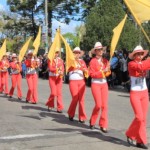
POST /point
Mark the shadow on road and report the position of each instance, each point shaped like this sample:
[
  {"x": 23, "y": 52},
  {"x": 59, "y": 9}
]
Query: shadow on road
[
  {"x": 76, "y": 127},
  {"x": 84, "y": 129}
]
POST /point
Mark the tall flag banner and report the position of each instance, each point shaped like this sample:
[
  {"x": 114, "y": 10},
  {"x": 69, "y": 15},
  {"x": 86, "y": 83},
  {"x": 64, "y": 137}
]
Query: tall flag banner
[
  {"x": 117, "y": 32},
  {"x": 3, "y": 49},
  {"x": 37, "y": 41},
  {"x": 24, "y": 49},
  {"x": 140, "y": 9},
  {"x": 70, "y": 59},
  {"x": 56, "y": 45}
]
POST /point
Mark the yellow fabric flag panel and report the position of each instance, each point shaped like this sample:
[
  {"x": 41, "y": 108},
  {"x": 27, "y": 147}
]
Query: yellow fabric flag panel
[
  {"x": 70, "y": 59},
  {"x": 24, "y": 49},
  {"x": 3, "y": 49},
  {"x": 140, "y": 9},
  {"x": 36, "y": 42},
  {"x": 117, "y": 32}
]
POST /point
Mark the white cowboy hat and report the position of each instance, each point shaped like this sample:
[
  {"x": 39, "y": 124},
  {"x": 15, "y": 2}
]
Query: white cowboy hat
[
  {"x": 77, "y": 49},
  {"x": 98, "y": 45},
  {"x": 30, "y": 52},
  {"x": 138, "y": 49},
  {"x": 13, "y": 55}
]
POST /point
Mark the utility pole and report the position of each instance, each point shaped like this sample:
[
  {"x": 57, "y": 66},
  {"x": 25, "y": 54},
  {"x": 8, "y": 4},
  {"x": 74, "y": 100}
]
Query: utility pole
[{"x": 46, "y": 26}]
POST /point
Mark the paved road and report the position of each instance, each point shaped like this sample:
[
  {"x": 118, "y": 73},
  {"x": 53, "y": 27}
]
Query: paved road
[{"x": 31, "y": 127}]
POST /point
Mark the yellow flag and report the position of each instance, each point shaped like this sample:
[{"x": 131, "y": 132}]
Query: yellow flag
[
  {"x": 24, "y": 49},
  {"x": 117, "y": 31},
  {"x": 3, "y": 49},
  {"x": 140, "y": 9},
  {"x": 55, "y": 46},
  {"x": 37, "y": 41},
  {"x": 70, "y": 59}
]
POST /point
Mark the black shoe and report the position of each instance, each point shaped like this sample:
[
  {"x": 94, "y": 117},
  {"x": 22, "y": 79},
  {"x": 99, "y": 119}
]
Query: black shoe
[
  {"x": 48, "y": 109},
  {"x": 27, "y": 101},
  {"x": 33, "y": 103},
  {"x": 59, "y": 111},
  {"x": 70, "y": 118},
  {"x": 141, "y": 145},
  {"x": 103, "y": 130},
  {"x": 130, "y": 141},
  {"x": 10, "y": 96},
  {"x": 19, "y": 98},
  {"x": 81, "y": 121},
  {"x": 92, "y": 127}
]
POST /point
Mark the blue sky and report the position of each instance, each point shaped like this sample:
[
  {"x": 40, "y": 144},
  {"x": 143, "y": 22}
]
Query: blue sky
[{"x": 55, "y": 24}]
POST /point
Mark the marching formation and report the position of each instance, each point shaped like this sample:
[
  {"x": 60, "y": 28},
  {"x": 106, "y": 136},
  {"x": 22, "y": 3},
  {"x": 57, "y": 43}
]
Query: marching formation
[{"x": 98, "y": 70}]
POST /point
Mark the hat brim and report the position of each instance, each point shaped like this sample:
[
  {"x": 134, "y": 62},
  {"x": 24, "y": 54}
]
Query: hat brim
[
  {"x": 30, "y": 53},
  {"x": 93, "y": 49},
  {"x": 99, "y": 47},
  {"x": 13, "y": 56},
  {"x": 77, "y": 51},
  {"x": 131, "y": 55}
]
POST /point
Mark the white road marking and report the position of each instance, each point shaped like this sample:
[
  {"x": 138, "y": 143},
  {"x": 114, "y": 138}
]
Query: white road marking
[{"x": 20, "y": 136}]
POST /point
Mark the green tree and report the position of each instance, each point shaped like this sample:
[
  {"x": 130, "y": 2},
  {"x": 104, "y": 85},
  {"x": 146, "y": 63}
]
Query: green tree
[
  {"x": 61, "y": 10},
  {"x": 26, "y": 10},
  {"x": 101, "y": 21}
]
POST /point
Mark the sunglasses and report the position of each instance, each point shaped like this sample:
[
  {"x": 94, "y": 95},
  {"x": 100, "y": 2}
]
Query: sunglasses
[
  {"x": 139, "y": 53},
  {"x": 100, "y": 49},
  {"x": 76, "y": 52}
]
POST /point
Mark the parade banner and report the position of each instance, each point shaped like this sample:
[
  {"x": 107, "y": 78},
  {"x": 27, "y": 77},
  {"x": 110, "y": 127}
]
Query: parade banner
[
  {"x": 140, "y": 9},
  {"x": 70, "y": 59},
  {"x": 24, "y": 49},
  {"x": 37, "y": 42},
  {"x": 55, "y": 46},
  {"x": 3, "y": 49},
  {"x": 117, "y": 32}
]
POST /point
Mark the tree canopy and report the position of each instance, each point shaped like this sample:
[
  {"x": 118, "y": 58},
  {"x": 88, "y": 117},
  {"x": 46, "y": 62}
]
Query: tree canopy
[{"x": 101, "y": 21}]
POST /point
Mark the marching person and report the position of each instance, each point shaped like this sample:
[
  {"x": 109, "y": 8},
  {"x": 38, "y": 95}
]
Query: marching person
[
  {"x": 77, "y": 86},
  {"x": 32, "y": 78},
  {"x": 99, "y": 70},
  {"x": 138, "y": 97},
  {"x": 4, "y": 65},
  {"x": 15, "y": 77},
  {"x": 56, "y": 71}
]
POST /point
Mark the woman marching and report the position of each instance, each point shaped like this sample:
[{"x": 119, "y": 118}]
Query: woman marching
[
  {"x": 56, "y": 71},
  {"x": 4, "y": 65},
  {"x": 77, "y": 86},
  {"x": 99, "y": 69},
  {"x": 15, "y": 77},
  {"x": 138, "y": 97},
  {"x": 32, "y": 78}
]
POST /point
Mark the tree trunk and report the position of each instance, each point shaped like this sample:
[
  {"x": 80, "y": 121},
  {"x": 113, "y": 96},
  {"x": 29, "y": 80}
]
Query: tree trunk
[
  {"x": 50, "y": 21},
  {"x": 33, "y": 24}
]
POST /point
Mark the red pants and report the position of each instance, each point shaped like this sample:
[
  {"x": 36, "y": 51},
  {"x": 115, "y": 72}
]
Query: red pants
[
  {"x": 100, "y": 94},
  {"x": 4, "y": 82},
  {"x": 137, "y": 130},
  {"x": 16, "y": 80},
  {"x": 77, "y": 89},
  {"x": 55, "y": 84},
  {"x": 32, "y": 95},
  {"x": 0, "y": 83}
]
